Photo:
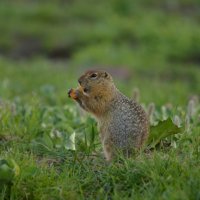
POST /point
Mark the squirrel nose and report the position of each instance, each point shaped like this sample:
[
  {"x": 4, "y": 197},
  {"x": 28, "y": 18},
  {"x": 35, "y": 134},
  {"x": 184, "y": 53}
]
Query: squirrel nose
[{"x": 80, "y": 81}]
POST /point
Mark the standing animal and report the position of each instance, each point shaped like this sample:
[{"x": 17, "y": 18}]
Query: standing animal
[{"x": 123, "y": 123}]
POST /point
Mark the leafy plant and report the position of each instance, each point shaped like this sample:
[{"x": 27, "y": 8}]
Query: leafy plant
[
  {"x": 162, "y": 130},
  {"x": 8, "y": 171}
]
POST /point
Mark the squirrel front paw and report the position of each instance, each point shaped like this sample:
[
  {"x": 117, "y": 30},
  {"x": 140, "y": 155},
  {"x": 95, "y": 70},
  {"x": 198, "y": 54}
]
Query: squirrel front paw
[{"x": 72, "y": 93}]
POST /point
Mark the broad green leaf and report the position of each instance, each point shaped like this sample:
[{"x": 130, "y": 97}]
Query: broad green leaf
[
  {"x": 47, "y": 141},
  {"x": 162, "y": 130},
  {"x": 6, "y": 172}
]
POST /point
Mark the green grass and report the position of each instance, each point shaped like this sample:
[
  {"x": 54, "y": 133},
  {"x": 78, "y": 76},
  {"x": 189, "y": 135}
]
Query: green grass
[
  {"x": 45, "y": 46},
  {"x": 34, "y": 103}
]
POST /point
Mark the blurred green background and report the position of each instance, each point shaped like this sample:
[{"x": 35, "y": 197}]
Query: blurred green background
[
  {"x": 45, "y": 45},
  {"x": 152, "y": 45}
]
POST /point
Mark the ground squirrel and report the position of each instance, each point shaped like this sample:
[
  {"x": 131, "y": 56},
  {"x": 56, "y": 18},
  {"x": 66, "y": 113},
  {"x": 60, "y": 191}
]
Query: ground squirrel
[{"x": 123, "y": 124}]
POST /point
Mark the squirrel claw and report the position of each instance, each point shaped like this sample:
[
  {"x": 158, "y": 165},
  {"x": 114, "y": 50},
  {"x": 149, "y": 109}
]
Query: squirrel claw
[{"x": 69, "y": 92}]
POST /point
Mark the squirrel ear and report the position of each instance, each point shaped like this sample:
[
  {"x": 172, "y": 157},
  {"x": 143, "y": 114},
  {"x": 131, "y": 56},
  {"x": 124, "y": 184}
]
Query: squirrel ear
[{"x": 106, "y": 75}]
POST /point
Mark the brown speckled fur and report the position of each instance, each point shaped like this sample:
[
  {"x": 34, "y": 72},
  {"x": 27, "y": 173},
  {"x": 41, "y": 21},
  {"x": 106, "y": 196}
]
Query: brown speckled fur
[{"x": 123, "y": 124}]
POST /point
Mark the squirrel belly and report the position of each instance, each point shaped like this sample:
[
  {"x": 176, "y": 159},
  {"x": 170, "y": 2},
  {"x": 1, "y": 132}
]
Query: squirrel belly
[{"x": 123, "y": 124}]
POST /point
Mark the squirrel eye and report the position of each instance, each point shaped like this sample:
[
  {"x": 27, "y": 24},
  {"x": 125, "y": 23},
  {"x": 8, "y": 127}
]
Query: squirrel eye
[{"x": 93, "y": 75}]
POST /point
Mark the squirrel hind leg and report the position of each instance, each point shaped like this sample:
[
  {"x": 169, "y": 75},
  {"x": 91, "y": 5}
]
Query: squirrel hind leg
[{"x": 108, "y": 151}]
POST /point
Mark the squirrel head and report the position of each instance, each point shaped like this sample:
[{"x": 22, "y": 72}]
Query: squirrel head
[
  {"x": 95, "y": 92},
  {"x": 95, "y": 81}
]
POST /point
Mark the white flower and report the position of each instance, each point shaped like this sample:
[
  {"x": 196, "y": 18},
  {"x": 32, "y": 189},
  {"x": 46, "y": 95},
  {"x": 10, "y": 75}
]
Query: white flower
[{"x": 71, "y": 142}]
